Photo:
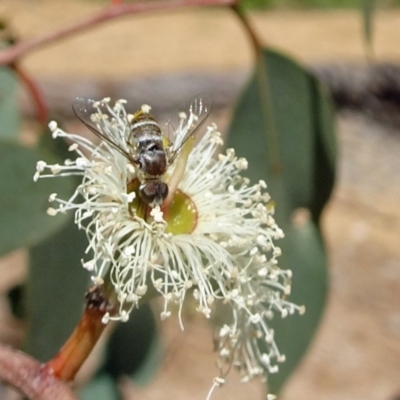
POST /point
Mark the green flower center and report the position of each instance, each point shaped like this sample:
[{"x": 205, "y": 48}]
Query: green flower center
[{"x": 181, "y": 215}]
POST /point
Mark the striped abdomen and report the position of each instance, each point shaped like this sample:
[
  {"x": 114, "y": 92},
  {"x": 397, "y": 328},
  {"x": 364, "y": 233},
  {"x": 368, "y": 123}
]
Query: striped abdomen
[{"x": 147, "y": 139}]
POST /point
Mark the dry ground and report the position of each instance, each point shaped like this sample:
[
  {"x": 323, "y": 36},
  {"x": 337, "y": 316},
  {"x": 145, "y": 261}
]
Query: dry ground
[{"x": 356, "y": 354}]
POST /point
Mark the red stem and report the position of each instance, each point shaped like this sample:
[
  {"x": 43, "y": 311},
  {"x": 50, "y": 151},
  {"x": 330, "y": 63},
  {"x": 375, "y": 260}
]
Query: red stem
[
  {"x": 75, "y": 351},
  {"x": 11, "y": 54},
  {"x": 35, "y": 92},
  {"x": 99, "y": 300},
  {"x": 29, "y": 377}
]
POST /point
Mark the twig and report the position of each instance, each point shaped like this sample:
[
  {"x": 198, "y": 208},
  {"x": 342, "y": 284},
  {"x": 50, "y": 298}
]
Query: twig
[
  {"x": 68, "y": 361},
  {"x": 28, "y": 376},
  {"x": 12, "y": 54},
  {"x": 35, "y": 93}
]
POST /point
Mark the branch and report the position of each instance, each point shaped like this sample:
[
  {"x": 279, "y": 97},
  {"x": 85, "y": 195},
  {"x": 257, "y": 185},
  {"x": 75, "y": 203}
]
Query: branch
[
  {"x": 35, "y": 93},
  {"x": 12, "y": 54},
  {"x": 28, "y": 376}
]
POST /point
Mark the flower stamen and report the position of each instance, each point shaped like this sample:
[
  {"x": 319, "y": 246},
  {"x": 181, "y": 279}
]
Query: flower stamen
[{"x": 213, "y": 235}]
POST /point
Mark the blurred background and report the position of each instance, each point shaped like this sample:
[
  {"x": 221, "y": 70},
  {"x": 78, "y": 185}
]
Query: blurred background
[{"x": 160, "y": 58}]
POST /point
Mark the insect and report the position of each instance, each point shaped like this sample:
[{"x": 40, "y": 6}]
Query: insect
[{"x": 144, "y": 144}]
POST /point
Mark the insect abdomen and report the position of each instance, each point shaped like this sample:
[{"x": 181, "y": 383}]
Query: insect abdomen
[{"x": 147, "y": 136}]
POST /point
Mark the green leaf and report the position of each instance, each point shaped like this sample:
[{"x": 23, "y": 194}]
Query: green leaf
[
  {"x": 56, "y": 282},
  {"x": 55, "y": 290},
  {"x": 284, "y": 125},
  {"x": 9, "y": 111},
  {"x": 368, "y": 8},
  {"x": 288, "y": 157},
  {"x": 304, "y": 252},
  {"x": 56, "y": 150},
  {"x": 23, "y": 202},
  {"x": 134, "y": 348},
  {"x": 101, "y": 387}
]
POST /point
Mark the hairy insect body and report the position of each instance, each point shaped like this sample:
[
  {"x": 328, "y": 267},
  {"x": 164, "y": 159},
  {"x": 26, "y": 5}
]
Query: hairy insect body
[
  {"x": 152, "y": 159},
  {"x": 148, "y": 140}
]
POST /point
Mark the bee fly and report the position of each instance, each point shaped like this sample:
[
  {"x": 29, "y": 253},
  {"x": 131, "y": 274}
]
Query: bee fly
[{"x": 145, "y": 146}]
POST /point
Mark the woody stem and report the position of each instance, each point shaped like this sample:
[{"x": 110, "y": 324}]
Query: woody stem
[{"x": 73, "y": 354}]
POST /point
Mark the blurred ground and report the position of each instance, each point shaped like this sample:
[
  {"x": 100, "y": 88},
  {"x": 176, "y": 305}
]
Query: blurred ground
[
  {"x": 188, "y": 40},
  {"x": 356, "y": 354}
]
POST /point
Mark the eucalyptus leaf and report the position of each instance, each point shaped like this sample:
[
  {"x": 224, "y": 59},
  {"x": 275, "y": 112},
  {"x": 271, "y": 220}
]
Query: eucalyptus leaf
[
  {"x": 56, "y": 282},
  {"x": 23, "y": 202},
  {"x": 133, "y": 348},
  {"x": 284, "y": 125},
  {"x": 368, "y": 9},
  {"x": 304, "y": 252},
  {"x": 299, "y": 139},
  {"x": 101, "y": 387},
  {"x": 10, "y": 117},
  {"x": 55, "y": 290}
]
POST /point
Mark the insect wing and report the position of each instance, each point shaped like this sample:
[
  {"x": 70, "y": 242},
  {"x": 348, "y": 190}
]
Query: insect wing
[
  {"x": 86, "y": 109},
  {"x": 191, "y": 116}
]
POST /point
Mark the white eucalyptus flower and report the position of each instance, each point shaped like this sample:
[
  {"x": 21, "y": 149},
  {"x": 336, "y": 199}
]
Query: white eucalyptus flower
[{"x": 215, "y": 240}]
